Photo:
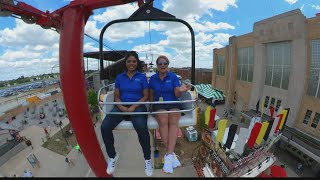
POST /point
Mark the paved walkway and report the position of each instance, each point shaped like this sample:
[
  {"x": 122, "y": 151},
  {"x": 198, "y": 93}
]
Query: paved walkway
[{"x": 131, "y": 163}]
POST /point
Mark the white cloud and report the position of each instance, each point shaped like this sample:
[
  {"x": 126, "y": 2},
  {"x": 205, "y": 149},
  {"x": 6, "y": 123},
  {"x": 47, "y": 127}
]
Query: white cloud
[
  {"x": 27, "y": 34},
  {"x": 317, "y": 7},
  {"x": 291, "y": 1},
  {"x": 222, "y": 38},
  {"x": 195, "y": 8},
  {"x": 116, "y": 12},
  {"x": 89, "y": 47},
  {"x": 27, "y": 50},
  {"x": 31, "y": 49}
]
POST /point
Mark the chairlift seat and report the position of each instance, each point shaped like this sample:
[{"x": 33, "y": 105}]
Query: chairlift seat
[{"x": 188, "y": 119}]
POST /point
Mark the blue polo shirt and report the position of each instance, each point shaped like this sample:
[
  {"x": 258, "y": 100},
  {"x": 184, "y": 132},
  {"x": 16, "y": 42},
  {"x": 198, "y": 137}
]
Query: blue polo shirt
[
  {"x": 131, "y": 90},
  {"x": 164, "y": 88}
]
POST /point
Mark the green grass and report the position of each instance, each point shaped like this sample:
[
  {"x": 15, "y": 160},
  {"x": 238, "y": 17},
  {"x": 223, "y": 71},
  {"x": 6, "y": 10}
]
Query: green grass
[{"x": 60, "y": 146}]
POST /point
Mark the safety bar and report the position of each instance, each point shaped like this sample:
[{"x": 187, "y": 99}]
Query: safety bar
[
  {"x": 195, "y": 101},
  {"x": 147, "y": 102}
]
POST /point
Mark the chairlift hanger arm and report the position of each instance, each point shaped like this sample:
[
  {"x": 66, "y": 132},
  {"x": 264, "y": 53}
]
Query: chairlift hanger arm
[
  {"x": 46, "y": 20},
  {"x": 148, "y": 13}
]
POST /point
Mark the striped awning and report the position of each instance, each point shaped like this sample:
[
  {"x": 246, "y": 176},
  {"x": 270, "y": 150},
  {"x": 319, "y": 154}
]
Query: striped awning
[{"x": 208, "y": 92}]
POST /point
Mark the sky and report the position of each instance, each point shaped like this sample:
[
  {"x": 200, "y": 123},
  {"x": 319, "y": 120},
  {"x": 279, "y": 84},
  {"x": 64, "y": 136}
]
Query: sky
[{"x": 28, "y": 49}]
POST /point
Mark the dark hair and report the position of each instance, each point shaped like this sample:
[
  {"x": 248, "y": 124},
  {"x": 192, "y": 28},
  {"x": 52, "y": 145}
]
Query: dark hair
[
  {"x": 134, "y": 54},
  {"x": 163, "y": 57}
]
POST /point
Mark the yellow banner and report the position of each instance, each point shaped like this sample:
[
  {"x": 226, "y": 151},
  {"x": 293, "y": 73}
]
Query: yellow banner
[
  {"x": 207, "y": 115},
  {"x": 221, "y": 129},
  {"x": 284, "y": 112},
  {"x": 262, "y": 132}
]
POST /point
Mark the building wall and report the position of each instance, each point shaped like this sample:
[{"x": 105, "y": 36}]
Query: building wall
[
  {"x": 284, "y": 27},
  {"x": 217, "y": 80},
  {"x": 243, "y": 95},
  {"x": 308, "y": 102},
  {"x": 243, "y": 88},
  {"x": 201, "y": 75},
  {"x": 312, "y": 104},
  {"x": 291, "y": 26}
]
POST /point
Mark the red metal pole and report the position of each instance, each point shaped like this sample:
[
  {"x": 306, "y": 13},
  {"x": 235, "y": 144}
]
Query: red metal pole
[{"x": 73, "y": 87}]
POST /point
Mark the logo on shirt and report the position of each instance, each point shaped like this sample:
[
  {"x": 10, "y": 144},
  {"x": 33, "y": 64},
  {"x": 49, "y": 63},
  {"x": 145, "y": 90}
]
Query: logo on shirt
[
  {"x": 168, "y": 81},
  {"x": 138, "y": 80}
]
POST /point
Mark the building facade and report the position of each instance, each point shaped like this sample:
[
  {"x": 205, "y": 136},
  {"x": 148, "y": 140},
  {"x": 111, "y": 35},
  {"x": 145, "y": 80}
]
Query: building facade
[{"x": 277, "y": 65}]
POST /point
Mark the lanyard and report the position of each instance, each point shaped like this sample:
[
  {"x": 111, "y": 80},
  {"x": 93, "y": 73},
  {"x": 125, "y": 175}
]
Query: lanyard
[{"x": 162, "y": 86}]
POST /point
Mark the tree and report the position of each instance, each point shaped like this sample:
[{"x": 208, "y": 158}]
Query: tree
[{"x": 92, "y": 100}]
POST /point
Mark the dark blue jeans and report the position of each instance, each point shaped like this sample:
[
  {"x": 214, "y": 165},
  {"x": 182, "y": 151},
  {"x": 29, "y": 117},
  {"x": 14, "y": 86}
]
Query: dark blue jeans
[{"x": 139, "y": 123}]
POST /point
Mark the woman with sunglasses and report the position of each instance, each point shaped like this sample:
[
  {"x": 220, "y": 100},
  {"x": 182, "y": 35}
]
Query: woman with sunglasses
[
  {"x": 165, "y": 86},
  {"x": 130, "y": 86}
]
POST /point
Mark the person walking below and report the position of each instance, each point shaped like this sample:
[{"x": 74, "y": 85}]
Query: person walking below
[
  {"x": 69, "y": 161},
  {"x": 130, "y": 86},
  {"x": 165, "y": 86}
]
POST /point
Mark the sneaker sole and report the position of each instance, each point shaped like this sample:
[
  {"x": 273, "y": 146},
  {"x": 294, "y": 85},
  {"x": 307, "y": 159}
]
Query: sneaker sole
[
  {"x": 115, "y": 164},
  {"x": 176, "y": 166},
  {"x": 166, "y": 172}
]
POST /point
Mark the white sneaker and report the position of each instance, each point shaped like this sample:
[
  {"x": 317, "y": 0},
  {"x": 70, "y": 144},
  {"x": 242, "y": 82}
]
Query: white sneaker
[
  {"x": 167, "y": 164},
  {"x": 148, "y": 167},
  {"x": 175, "y": 161},
  {"x": 112, "y": 164}
]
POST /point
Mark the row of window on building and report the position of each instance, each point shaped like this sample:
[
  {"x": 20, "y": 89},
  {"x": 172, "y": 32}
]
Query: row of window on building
[
  {"x": 278, "y": 65},
  {"x": 277, "y": 103},
  {"x": 272, "y": 103},
  {"x": 308, "y": 116}
]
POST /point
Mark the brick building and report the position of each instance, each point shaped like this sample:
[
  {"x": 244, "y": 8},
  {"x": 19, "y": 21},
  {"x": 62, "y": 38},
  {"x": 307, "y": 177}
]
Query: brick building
[{"x": 279, "y": 64}]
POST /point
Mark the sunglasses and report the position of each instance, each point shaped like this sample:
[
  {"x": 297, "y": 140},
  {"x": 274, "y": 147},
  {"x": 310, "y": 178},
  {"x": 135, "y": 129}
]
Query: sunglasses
[{"x": 162, "y": 63}]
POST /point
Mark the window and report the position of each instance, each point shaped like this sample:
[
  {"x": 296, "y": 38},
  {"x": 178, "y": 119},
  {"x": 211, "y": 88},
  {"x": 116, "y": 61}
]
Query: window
[
  {"x": 278, "y": 104},
  {"x": 272, "y": 102},
  {"x": 278, "y": 64},
  {"x": 307, "y": 117},
  {"x": 221, "y": 62},
  {"x": 266, "y": 102},
  {"x": 245, "y": 64},
  {"x": 315, "y": 120},
  {"x": 314, "y": 79}
]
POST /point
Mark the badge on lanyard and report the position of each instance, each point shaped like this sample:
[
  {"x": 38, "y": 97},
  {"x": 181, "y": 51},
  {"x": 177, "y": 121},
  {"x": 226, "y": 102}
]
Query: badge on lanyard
[{"x": 160, "y": 98}]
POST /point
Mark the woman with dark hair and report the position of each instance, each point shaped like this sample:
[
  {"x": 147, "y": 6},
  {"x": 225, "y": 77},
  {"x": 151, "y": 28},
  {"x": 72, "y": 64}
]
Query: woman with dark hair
[
  {"x": 165, "y": 86},
  {"x": 130, "y": 86}
]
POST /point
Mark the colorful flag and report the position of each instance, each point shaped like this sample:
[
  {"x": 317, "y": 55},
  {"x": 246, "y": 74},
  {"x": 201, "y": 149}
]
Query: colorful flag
[
  {"x": 221, "y": 129},
  {"x": 207, "y": 115},
  {"x": 212, "y": 117},
  {"x": 253, "y": 135},
  {"x": 285, "y": 113},
  {"x": 231, "y": 134},
  {"x": 262, "y": 132}
]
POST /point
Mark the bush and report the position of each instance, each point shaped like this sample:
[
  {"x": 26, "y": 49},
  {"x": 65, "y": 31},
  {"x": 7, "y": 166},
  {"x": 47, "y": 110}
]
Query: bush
[{"x": 92, "y": 100}]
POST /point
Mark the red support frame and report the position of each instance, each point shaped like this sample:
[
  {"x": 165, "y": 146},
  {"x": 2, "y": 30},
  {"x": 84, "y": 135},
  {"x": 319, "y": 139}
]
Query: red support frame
[{"x": 72, "y": 84}]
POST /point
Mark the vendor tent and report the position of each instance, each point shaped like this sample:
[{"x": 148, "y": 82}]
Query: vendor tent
[{"x": 208, "y": 92}]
